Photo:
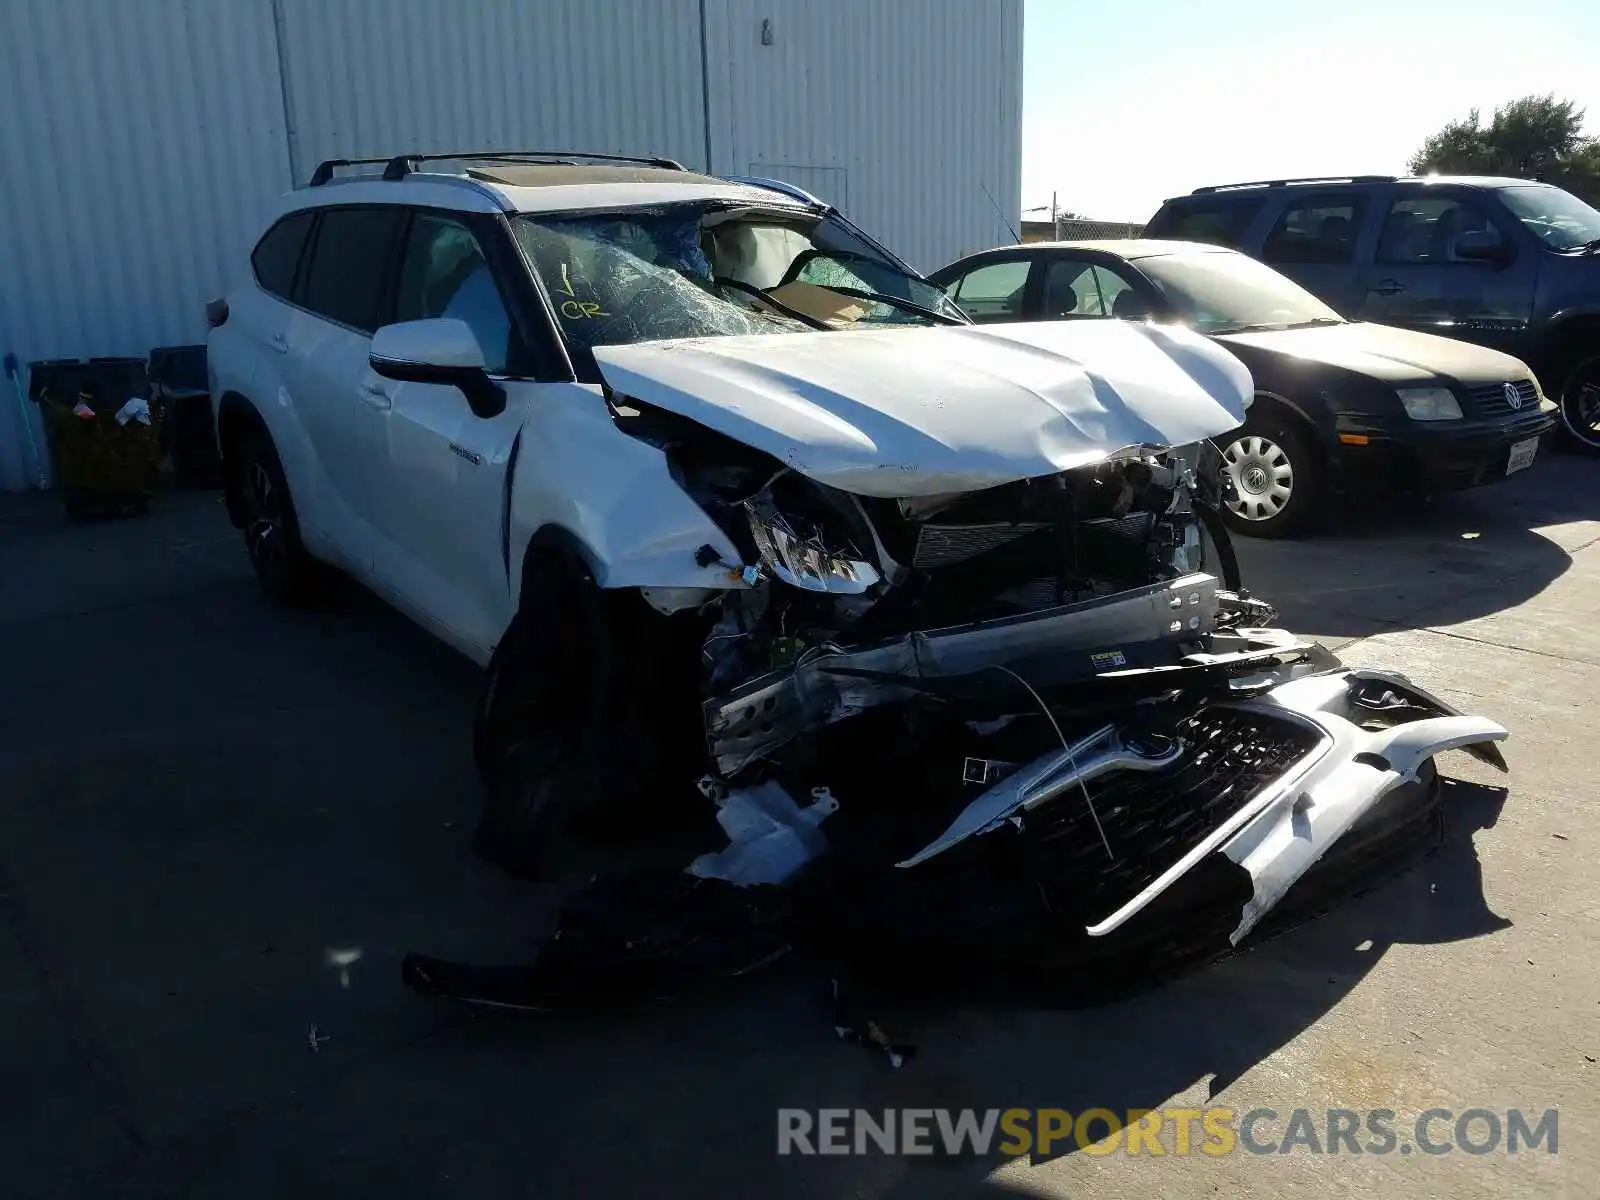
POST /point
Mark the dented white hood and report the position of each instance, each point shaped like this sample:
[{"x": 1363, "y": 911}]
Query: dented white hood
[{"x": 924, "y": 411}]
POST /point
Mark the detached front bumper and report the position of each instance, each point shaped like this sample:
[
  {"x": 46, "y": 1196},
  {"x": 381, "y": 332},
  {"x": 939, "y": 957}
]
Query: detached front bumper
[
  {"x": 1277, "y": 781},
  {"x": 1435, "y": 456},
  {"x": 1268, "y": 807}
]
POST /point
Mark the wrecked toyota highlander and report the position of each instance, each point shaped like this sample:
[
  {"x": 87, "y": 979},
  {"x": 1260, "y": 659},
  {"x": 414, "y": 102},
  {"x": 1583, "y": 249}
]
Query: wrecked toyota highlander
[{"x": 735, "y": 508}]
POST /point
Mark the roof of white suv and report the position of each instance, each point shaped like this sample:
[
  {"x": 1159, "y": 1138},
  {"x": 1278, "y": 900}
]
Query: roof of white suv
[{"x": 533, "y": 187}]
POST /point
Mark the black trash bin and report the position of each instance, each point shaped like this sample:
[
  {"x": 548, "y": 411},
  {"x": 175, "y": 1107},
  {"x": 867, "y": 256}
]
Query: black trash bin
[
  {"x": 103, "y": 431},
  {"x": 179, "y": 381}
]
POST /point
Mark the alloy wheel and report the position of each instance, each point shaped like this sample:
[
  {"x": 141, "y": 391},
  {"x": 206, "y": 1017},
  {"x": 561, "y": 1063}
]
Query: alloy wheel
[
  {"x": 1580, "y": 406},
  {"x": 1263, "y": 477},
  {"x": 264, "y": 520}
]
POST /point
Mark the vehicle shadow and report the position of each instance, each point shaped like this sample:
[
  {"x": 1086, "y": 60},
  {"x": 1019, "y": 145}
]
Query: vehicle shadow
[
  {"x": 1404, "y": 563},
  {"x": 1216, "y": 1025}
]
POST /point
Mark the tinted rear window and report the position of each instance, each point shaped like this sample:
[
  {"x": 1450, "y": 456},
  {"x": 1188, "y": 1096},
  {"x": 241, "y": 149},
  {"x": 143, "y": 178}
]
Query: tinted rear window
[
  {"x": 349, "y": 264},
  {"x": 1220, "y": 220},
  {"x": 278, "y": 253}
]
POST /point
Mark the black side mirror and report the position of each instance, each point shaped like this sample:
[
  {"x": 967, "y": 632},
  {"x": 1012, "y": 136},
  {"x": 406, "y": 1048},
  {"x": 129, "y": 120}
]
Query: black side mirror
[
  {"x": 1482, "y": 245},
  {"x": 438, "y": 350}
]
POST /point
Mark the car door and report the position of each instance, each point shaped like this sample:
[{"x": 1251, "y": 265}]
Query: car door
[
  {"x": 1314, "y": 241},
  {"x": 444, "y": 471},
  {"x": 995, "y": 289},
  {"x": 1418, "y": 278},
  {"x": 340, "y": 301}
]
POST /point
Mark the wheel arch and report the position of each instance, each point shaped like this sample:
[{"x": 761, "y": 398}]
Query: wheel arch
[
  {"x": 1277, "y": 402},
  {"x": 551, "y": 545},
  {"x": 1564, "y": 340}
]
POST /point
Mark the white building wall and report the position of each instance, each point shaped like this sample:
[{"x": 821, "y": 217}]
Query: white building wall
[
  {"x": 141, "y": 143},
  {"x": 900, "y": 112},
  {"x": 375, "y": 77}
]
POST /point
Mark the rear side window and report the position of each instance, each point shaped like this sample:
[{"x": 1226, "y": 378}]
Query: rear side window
[
  {"x": 1220, "y": 220},
  {"x": 277, "y": 254},
  {"x": 1318, "y": 229},
  {"x": 350, "y": 265}
]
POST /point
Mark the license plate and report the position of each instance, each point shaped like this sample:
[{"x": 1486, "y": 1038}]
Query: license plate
[{"x": 1521, "y": 455}]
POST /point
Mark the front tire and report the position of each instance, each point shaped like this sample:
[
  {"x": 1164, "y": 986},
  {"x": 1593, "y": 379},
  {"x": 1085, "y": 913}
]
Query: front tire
[
  {"x": 535, "y": 733},
  {"x": 1580, "y": 405},
  {"x": 1276, "y": 473}
]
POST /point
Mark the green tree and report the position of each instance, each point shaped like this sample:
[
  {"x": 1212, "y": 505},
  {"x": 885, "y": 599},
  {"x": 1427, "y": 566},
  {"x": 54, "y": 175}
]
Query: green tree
[{"x": 1536, "y": 137}]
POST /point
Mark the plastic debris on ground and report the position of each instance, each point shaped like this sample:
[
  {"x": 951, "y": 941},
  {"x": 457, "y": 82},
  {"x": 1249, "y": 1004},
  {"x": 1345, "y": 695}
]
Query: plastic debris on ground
[{"x": 770, "y": 836}]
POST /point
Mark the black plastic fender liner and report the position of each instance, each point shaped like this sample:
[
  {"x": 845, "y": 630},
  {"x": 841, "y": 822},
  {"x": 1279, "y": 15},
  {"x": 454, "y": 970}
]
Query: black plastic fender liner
[{"x": 1227, "y": 565}]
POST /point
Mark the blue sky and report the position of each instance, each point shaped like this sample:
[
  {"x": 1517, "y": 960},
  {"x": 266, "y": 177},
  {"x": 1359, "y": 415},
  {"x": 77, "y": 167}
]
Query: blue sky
[{"x": 1128, "y": 102}]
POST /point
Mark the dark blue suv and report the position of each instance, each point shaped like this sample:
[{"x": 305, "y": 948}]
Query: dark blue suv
[{"x": 1508, "y": 263}]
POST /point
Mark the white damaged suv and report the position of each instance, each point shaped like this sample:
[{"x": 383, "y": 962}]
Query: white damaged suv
[{"x": 657, "y": 447}]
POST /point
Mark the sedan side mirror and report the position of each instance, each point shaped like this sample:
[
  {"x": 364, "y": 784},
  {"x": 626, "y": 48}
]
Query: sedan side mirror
[
  {"x": 438, "y": 350},
  {"x": 1482, "y": 245}
]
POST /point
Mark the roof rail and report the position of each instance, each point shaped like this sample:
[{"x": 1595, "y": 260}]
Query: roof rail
[
  {"x": 1228, "y": 187},
  {"x": 400, "y": 165},
  {"x": 781, "y": 186}
]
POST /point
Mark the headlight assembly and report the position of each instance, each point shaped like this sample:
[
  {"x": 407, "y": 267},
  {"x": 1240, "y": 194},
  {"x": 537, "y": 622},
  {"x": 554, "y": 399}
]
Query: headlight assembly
[
  {"x": 804, "y": 562},
  {"x": 1430, "y": 403}
]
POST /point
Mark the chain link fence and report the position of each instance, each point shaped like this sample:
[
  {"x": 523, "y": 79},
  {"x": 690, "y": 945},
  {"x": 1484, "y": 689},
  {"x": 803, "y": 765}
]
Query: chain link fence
[{"x": 1076, "y": 230}]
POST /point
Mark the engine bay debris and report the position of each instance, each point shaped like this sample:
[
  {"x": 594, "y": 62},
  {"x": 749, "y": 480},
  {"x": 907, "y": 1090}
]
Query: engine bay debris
[{"x": 1044, "y": 732}]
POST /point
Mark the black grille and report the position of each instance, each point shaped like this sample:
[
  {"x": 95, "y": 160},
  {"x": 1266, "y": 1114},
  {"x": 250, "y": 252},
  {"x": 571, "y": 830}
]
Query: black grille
[
  {"x": 1490, "y": 399},
  {"x": 1152, "y": 821},
  {"x": 942, "y": 545}
]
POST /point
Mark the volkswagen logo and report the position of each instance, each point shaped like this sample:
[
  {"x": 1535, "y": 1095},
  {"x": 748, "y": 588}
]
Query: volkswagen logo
[{"x": 1513, "y": 397}]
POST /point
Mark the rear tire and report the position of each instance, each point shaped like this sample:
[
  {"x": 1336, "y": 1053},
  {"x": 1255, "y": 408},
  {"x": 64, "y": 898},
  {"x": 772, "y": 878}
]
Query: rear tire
[
  {"x": 288, "y": 575},
  {"x": 1580, "y": 404},
  {"x": 1276, "y": 471}
]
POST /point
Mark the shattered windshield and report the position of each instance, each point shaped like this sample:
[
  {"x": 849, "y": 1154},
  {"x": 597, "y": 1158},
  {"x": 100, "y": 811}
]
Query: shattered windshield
[
  {"x": 1559, "y": 219},
  {"x": 707, "y": 269}
]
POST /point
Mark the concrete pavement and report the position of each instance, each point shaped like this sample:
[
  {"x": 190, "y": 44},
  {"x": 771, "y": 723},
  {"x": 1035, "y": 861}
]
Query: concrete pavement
[{"x": 221, "y": 825}]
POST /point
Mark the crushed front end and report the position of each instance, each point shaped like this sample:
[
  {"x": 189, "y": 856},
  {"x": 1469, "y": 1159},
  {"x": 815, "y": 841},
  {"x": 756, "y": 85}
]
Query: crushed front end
[{"x": 1041, "y": 725}]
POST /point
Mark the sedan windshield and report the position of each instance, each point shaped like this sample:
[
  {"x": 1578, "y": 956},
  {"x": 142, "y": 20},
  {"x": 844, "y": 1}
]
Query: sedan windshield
[
  {"x": 1223, "y": 292},
  {"x": 1559, "y": 219},
  {"x": 703, "y": 270}
]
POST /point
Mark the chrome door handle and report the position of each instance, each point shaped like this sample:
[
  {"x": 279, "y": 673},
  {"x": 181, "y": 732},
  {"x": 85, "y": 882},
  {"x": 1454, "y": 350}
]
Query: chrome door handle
[
  {"x": 1388, "y": 287},
  {"x": 279, "y": 343},
  {"x": 376, "y": 396}
]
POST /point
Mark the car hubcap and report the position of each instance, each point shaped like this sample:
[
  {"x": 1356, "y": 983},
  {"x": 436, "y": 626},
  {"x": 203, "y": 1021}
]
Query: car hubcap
[
  {"x": 1263, "y": 477},
  {"x": 265, "y": 526}
]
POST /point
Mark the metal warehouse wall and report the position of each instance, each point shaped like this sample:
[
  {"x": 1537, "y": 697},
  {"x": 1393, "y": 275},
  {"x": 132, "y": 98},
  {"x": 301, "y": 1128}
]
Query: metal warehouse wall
[
  {"x": 901, "y": 112},
  {"x": 143, "y": 141},
  {"x": 139, "y": 146},
  {"x": 370, "y": 77}
]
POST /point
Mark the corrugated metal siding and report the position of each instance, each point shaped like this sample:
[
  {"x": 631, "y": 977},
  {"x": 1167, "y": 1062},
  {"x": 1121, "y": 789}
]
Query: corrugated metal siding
[
  {"x": 621, "y": 77},
  {"x": 138, "y": 148},
  {"x": 917, "y": 102},
  {"x": 141, "y": 144}
]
